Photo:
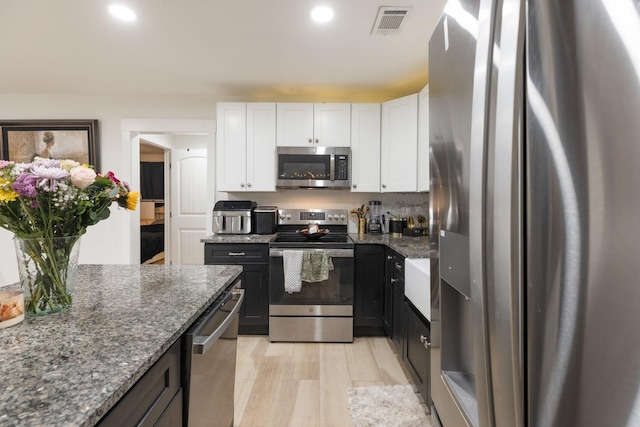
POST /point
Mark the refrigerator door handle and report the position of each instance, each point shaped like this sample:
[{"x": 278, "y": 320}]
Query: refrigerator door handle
[
  {"x": 480, "y": 136},
  {"x": 504, "y": 212}
]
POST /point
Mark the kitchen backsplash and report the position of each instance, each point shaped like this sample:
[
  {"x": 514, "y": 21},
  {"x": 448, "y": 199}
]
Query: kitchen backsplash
[{"x": 397, "y": 203}]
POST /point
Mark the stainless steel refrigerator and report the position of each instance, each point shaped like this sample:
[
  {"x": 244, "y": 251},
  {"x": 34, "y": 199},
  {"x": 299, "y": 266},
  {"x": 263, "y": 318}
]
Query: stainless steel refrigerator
[{"x": 535, "y": 213}]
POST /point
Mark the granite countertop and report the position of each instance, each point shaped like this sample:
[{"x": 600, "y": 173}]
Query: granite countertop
[
  {"x": 239, "y": 238},
  {"x": 70, "y": 368},
  {"x": 409, "y": 247}
]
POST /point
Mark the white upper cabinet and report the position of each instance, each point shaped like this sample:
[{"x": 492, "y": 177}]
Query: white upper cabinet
[
  {"x": 246, "y": 146},
  {"x": 399, "y": 145},
  {"x": 365, "y": 148},
  {"x": 304, "y": 125},
  {"x": 423, "y": 139},
  {"x": 261, "y": 146}
]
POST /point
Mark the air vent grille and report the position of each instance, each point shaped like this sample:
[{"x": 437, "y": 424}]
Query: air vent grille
[{"x": 390, "y": 20}]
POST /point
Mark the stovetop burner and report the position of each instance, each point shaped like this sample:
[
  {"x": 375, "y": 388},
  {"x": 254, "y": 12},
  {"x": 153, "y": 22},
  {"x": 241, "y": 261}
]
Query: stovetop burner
[{"x": 290, "y": 221}]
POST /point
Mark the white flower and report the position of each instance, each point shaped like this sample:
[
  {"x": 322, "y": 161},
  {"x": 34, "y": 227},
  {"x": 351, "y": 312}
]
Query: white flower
[
  {"x": 82, "y": 177},
  {"x": 68, "y": 164}
]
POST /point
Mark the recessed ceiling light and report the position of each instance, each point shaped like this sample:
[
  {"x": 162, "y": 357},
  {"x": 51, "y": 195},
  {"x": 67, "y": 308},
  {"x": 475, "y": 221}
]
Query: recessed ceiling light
[
  {"x": 322, "y": 14},
  {"x": 122, "y": 12}
]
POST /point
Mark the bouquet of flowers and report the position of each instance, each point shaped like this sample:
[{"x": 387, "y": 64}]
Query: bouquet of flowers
[{"x": 48, "y": 204}]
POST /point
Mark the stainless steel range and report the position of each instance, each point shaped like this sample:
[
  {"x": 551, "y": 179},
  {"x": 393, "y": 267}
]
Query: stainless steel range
[{"x": 311, "y": 278}]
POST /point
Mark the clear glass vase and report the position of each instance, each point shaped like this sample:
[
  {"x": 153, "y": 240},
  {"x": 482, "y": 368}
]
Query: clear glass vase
[{"x": 47, "y": 269}]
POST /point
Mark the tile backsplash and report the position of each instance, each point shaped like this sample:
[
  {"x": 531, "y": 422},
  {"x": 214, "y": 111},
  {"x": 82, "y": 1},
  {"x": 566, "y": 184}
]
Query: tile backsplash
[{"x": 396, "y": 203}]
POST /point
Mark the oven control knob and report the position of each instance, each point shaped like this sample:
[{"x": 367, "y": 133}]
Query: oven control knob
[
  {"x": 281, "y": 216},
  {"x": 288, "y": 216},
  {"x": 330, "y": 217},
  {"x": 342, "y": 217}
]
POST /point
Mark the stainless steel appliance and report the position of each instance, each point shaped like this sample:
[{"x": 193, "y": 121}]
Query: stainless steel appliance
[
  {"x": 314, "y": 167},
  {"x": 534, "y": 200},
  {"x": 210, "y": 363},
  {"x": 233, "y": 216},
  {"x": 320, "y": 311}
]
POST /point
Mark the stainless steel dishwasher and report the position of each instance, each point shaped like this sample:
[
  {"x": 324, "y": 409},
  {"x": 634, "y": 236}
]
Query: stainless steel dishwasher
[{"x": 210, "y": 363}]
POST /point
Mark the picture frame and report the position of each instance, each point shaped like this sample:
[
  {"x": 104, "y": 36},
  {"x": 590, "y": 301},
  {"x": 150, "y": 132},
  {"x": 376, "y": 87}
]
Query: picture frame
[{"x": 22, "y": 140}]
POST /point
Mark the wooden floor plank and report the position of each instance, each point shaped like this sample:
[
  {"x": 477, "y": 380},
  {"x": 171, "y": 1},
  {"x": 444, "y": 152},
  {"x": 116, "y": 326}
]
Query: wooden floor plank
[
  {"x": 388, "y": 363},
  {"x": 306, "y": 410},
  {"x": 251, "y": 349},
  {"x": 242, "y": 393},
  {"x": 279, "y": 349},
  {"x": 273, "y": 394},
  {"x": 362, "y": 363},
  {"x": 305, "y": 361},
  {"x": 334, "y": 382}
]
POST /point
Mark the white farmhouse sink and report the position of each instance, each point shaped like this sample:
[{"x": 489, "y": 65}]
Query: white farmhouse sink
[{"x": 417, "y": 284}]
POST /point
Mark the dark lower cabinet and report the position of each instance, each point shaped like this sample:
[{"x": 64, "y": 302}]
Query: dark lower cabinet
[
  {"x": 397, "y": 292},
  {"x": 368, "y": 300},
  {"x": 254, "y": 259},
  {"x": 416, "y": 350},
  {"x": 388, "y": 291},
  {"x": 155, "y": 400}
]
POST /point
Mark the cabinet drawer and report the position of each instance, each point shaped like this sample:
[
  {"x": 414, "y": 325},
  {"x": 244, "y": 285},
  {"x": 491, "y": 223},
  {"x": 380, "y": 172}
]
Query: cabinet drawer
[
  {"x": 222, "y": 253},
  {"x": 148, "y": 399}
]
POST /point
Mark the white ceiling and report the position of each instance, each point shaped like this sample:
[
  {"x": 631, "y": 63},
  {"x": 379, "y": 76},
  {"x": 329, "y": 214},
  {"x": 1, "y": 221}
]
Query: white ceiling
[{"x": 236, "y": 49}]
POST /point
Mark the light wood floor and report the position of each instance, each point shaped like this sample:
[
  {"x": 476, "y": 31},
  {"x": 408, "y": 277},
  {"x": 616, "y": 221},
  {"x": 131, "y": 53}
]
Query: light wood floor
[{"x": 305, "y": 384}]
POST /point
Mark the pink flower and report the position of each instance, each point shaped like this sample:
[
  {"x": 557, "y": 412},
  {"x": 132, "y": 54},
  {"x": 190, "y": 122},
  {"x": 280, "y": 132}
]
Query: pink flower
[
  {"x": 113, "y": 178},
  {"x": 82, "y": 177}
]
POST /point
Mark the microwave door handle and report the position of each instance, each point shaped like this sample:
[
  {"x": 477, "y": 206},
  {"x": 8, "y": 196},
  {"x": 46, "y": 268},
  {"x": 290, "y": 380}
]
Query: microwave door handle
[{"x": 332, "y": 167}]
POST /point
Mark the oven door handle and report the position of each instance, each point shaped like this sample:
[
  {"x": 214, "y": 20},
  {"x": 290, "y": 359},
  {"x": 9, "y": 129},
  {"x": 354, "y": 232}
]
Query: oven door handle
[{"x": 334, "y": 253}]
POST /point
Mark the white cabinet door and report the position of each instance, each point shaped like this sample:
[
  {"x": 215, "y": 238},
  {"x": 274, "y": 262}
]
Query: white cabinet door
[
  {"x": 261, "y": 146},
  {"x": 294, "y": 125},
  {"x": 399, "y": 144},
  {"x": 332, "y": 125},
  {"x": 246, "y": 146},
  {"x": 365, "y": 148},
  {"x": 306, "y": 125},
  {"x": 423, "y": 139},
  {"x": 231, "y": 146},
  {"x": 188, "y": 205}
]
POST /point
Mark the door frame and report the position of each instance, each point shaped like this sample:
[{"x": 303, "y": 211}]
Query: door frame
[{"x": 131, "y": 129}]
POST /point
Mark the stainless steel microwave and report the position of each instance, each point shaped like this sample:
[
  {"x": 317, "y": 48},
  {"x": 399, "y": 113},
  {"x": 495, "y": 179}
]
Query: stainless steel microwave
[{"x": 314, "y": 167}]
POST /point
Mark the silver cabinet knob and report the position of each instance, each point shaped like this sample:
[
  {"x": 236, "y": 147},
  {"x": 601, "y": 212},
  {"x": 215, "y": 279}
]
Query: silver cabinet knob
[
  {"x": 249, "y": 185},
  {"x": 389, "y": 257},
  {"x": 310, "y": 140},
  {"x": 393, "y": 280},
  {"x": 425, "y": 341},
  {"x": 242, "y": 185},
  {"x": 355, "y": 186},
  {"x": 384, "y": 185},
  {"x": 316, "y": 141}
]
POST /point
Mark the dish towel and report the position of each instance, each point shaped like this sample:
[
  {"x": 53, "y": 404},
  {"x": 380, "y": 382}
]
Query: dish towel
[
  {"x": 316, "y": 266},
  {"x": 292, "y": 266}
]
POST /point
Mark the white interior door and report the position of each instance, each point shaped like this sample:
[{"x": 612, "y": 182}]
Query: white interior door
[{"x": 188, "y": 205}]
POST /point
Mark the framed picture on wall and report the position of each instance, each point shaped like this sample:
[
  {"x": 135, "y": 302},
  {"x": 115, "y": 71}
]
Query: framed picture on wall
[{"x": 23, "y": 140}]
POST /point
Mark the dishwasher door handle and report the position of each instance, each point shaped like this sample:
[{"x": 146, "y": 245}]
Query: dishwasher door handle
[{"x": 202, "y": 343}]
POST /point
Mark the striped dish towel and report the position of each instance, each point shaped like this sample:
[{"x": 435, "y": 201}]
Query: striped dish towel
[{"x": 292, "y": 263}]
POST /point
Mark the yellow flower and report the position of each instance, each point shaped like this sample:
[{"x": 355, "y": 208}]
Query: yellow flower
[
  {"x": 132, "y": 200},
  {"x": 6, "y": 192},
  {"x": 7, "y": 195}
]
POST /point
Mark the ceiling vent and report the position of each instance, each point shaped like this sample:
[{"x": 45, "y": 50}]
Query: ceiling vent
[{"x": 390, "y": 19}]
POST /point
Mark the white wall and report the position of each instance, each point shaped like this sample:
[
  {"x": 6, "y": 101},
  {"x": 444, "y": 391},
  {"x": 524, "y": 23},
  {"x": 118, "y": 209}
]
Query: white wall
[{"x": 109, "y": 241}]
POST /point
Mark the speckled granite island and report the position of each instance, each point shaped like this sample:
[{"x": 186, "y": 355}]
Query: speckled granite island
[{"x": 71, "y": 368}]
